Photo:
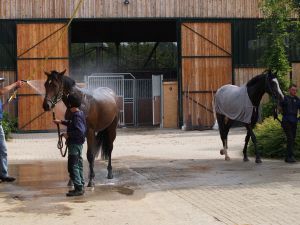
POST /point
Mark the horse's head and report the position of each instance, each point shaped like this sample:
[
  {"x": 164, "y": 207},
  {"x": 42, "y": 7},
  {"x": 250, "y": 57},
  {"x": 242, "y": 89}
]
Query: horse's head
[
  {"x": 272, "y": 86},
  {"x": 54, "y": 89}
]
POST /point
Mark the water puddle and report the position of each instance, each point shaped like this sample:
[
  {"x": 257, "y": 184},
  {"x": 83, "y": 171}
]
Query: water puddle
[{"x": 40, "y": 187}]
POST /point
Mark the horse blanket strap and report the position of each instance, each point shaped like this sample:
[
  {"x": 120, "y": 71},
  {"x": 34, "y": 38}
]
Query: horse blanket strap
[{"x": 234, "y": 102}]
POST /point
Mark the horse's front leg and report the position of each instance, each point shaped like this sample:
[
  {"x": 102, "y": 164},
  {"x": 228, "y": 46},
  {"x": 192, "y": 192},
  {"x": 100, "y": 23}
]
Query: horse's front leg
[
  {"x": 91, "y": 157},
  {"x": 224, "y": 150},
  {"x": 253, "y": 138},
  {"x": 246, "y": 159}
]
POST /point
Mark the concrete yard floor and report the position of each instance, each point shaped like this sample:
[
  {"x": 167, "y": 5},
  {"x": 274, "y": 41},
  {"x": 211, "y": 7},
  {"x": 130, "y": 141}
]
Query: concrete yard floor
[{"x": 161, "y": 176}]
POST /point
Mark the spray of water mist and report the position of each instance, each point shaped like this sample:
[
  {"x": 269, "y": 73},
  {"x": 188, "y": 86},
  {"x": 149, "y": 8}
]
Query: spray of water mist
[{"x": 38, "y": 86}]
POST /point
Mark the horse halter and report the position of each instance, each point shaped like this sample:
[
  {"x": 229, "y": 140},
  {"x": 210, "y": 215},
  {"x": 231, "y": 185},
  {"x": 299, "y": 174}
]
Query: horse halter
[{"x": 56, "y": 98}]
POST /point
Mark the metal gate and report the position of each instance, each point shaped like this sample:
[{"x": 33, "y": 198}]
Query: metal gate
[{"x": 134, "y": 96}]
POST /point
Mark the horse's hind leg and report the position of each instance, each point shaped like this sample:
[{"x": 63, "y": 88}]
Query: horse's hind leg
[
  {"x": 253, "y": 138},
  {"x": 246, "y": 159},
  {"x": 110, "y": 136},
  {"x": 224, "y": 126}
]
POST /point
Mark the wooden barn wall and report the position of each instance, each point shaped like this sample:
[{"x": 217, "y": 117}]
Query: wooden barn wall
[
  {"x": 135, "y": 9},
  {"x": 33, "y": 45},
  {"x": 11, "y": 108},
  {"x": 243, "y": 75},
  {"x": 170, "y": 104},
  {"x": 206, "y": 65},
  {"x": 296, "y": 73}
]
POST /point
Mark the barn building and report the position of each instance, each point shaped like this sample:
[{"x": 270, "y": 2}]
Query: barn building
[{"x": 165, "y": 58}]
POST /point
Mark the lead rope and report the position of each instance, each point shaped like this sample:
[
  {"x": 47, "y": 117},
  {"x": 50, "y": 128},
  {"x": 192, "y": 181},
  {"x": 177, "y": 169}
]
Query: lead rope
[{"x": 60, "y": 143}]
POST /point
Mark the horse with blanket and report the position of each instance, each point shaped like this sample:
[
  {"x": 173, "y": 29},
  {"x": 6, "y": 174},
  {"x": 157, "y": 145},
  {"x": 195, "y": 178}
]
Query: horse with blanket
[{"x": 233, "y": 103}]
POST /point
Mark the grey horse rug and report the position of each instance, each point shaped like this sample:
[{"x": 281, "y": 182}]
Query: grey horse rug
[{"x": 234, "y": 102}]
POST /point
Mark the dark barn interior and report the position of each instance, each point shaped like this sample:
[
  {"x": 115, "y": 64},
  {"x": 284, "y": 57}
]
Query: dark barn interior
[{"x": 133, "y": 49}]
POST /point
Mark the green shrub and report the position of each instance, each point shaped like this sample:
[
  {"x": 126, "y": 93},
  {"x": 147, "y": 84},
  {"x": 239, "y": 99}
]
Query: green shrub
[
  {"x": 9, "y": 125},
  {"x": 271, "y": 140},
  {"x": 267, "y": 110}
]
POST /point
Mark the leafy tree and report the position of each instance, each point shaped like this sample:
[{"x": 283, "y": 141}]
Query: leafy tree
[
  {"x": 279, "y": 32},
  {"x": 274, "y": 30}
]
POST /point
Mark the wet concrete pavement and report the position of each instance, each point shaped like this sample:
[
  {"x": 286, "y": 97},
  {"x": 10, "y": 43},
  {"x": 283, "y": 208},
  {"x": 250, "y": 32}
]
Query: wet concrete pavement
[{"x": 160, "y": 177}]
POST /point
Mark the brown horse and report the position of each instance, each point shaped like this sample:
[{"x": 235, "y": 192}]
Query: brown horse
[{"x": 101, "y": 110}]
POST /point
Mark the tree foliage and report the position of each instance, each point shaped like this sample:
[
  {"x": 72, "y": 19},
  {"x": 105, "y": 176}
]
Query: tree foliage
[{"x": 274, "y": 30}]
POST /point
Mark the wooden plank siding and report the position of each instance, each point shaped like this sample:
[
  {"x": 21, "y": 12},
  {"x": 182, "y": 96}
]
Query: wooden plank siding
[
  {"x": 11, "y": 9},
  {"x": 206, "y": 65},
  {"x": 243, "y": 75},
  {"x": 296, "y": 74},
  {"x": 11, "y": 108},
  {"x": 170, "y": 104},
  {"x": 33, "y": 46}
]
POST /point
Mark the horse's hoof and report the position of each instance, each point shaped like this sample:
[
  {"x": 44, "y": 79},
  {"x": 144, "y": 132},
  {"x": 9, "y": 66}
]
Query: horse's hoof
[
  {"x": 70, "y": 183},
  {"x": 246, "y": 159},
  {"x": 227, "y": 158},
  {"x": 91, "y": 184},
  {"x": 258, "y": 161},
  {"x": 222, "y": 152},
  {"x": 110, "y": 176}
]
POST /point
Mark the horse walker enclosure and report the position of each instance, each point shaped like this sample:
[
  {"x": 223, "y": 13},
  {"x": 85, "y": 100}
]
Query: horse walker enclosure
[{"x": 165, "y": 59}]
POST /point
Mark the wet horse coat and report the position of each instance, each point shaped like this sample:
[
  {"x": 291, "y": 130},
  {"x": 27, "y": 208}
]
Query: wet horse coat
[{"x": 101, "y": 110}]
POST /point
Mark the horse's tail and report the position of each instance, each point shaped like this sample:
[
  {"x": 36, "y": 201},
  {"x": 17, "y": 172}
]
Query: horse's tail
[
  {"x": 215, "y": 126},
  {"x": 105, "y": 139},
  {"x": 99, "y": 143}
]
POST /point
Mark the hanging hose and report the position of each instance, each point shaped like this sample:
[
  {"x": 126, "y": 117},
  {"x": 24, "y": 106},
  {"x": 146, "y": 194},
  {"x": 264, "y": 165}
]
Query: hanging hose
[{"x": 60, "y": 143}]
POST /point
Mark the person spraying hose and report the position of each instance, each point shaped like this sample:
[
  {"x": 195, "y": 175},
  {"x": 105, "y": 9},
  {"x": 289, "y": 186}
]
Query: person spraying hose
[{"x": 4, "y": 177}]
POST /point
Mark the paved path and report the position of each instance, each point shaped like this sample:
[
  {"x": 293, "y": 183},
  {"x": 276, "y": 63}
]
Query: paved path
[{"x": 160, "y": 177}]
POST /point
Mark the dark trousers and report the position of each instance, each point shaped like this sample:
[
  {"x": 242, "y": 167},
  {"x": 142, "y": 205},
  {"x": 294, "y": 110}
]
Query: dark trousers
[
  {"x": 75, "y": 165},
  {"x": 290, "y": 132}
]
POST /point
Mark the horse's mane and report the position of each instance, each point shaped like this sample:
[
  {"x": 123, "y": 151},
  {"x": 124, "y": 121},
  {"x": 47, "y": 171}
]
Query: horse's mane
[
  {"x": 68, "y": 82},
  {"x": 257, "y": 78}
]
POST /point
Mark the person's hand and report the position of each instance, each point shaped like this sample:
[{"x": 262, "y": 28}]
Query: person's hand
[
  {"x": 57, "y": 121},
  {"x": 20, "y": 83}
]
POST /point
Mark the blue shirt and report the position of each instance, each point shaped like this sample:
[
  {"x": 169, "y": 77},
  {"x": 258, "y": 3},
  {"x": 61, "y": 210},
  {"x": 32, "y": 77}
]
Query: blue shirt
[
  {"x": 290, "y": 106},
  {"x": 76, "y": 128}
]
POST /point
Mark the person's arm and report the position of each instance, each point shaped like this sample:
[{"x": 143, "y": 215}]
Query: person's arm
[
  {"x": 63, "y": 122},
  {"x": 8, "y": 88},
  {"x": 79, "y": 127}
]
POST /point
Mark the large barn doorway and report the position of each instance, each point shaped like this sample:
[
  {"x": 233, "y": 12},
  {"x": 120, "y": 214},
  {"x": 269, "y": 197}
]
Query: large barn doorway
[
  {"x": 140, "y": 51},
  {"x": 206, "y": 65},
  {"x": 35, "y": 43}
]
